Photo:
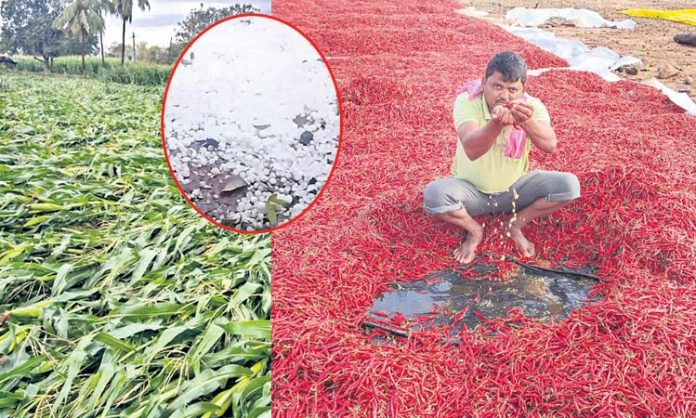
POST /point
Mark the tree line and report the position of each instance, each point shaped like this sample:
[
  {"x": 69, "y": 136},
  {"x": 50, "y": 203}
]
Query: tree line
[{"x": 46, "y": 29}]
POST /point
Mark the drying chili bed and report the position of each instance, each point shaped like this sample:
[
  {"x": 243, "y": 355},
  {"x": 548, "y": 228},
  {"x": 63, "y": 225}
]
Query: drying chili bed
[{"x": 633, "y": 353}]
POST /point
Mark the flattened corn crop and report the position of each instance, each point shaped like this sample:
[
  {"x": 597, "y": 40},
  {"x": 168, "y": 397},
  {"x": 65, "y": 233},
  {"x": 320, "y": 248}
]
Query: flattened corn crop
[{"x": 116, "y": 299}]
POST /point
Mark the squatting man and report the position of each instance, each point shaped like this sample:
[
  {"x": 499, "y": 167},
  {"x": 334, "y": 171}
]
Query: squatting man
[{"x": 497, "y": 123}]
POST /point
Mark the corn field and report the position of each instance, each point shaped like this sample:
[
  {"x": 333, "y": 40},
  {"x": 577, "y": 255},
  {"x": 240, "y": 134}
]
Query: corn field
[
  {"x": 116, "y": 298},
  {"x": 141, "y": 73}
]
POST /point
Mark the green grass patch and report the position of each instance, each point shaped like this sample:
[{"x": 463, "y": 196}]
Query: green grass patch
[
  {"x": 5, "y": 85},
  {"x": 116, "y": 298}
]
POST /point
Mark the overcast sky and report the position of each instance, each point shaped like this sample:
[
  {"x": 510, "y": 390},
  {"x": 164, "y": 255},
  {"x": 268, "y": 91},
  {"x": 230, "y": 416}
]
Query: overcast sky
[{"x": 158, "y": 24}]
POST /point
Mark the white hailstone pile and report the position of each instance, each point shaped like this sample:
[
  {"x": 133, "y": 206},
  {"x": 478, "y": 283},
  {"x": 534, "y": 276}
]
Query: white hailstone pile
[{"x": 256, "y": 101}]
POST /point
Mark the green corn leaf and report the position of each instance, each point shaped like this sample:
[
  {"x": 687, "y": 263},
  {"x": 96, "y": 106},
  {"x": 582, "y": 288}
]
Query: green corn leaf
[
  {"x": 205, "y": 383},
  {"x": 23, "y": 369},
  {"x": 148, "y": 311},
  {"x": 113, "y": 342},
  {"x": 255, "y": 328},
  {"x": 36, "y": 220}
]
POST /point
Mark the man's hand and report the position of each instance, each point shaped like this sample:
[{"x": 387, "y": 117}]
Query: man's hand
[
  {"x": 502, "y": 115},
  {"x": 521, "y": 111},
  {"x": 539, "y": 132}
]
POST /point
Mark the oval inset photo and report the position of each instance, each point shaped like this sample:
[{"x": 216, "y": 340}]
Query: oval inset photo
[{"x": 251, "y": 123}]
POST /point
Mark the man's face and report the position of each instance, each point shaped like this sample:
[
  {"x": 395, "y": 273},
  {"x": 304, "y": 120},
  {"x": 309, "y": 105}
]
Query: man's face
[{"x": 498, "y": 91}]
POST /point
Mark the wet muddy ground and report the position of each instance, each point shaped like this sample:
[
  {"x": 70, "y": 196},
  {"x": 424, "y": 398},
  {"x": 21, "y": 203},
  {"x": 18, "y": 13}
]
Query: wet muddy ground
[{"x": 441, "y": 297}]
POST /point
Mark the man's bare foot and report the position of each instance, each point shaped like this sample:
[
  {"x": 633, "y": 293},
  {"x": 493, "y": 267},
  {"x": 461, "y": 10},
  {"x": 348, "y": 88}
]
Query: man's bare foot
[
  {"x": 466, "y": 252},
  {"x": 526, "y": 248}
]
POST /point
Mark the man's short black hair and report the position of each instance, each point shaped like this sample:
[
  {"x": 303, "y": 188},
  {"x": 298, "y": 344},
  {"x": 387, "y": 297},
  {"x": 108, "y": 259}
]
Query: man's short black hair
[{"x": 510, "y": 65}]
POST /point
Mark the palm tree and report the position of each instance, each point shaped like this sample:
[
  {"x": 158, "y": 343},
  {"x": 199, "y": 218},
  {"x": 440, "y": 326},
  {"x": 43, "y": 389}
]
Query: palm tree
[
  {"x": 124, "y": 8},
  {"x": 106, "y": 6},
  {"x": 81, "y": 18}
]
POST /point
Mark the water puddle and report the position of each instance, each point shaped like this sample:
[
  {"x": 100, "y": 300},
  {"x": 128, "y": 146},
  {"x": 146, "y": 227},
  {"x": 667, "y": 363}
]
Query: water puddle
[{"x": 441, "y": 298}]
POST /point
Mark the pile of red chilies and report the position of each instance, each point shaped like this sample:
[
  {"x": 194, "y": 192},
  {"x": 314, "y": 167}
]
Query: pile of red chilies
[{"x": 398, "y": 65}]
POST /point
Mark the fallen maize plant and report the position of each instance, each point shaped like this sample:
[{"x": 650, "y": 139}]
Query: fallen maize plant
[
  {"x": 632, "y": 353},
  {"x": 116, "y": 298}
]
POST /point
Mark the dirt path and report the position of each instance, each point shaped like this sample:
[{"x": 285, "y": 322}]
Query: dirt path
[{"x": 651, "y": 40}]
